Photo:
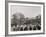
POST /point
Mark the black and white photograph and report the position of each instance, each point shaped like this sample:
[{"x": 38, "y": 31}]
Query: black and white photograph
[{"x": 25, "y": 18}]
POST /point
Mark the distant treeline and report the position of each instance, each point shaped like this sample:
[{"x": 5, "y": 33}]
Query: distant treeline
[{"x": 19, "y": 19}]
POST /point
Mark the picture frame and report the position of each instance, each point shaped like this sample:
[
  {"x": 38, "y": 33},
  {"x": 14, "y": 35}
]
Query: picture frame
[{"x": 30, "y": 5}]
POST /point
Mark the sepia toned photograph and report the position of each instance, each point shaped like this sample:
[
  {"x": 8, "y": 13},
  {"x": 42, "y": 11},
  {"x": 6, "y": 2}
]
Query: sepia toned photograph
[{"x": 25, "y": 18}]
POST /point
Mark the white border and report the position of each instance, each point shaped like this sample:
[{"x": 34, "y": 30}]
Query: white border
[{"x": 23, "y": 32}]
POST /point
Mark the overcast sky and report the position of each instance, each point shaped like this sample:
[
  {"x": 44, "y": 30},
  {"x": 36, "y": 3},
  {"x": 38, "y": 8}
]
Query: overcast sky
[{"x": 28, "y": 11}]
